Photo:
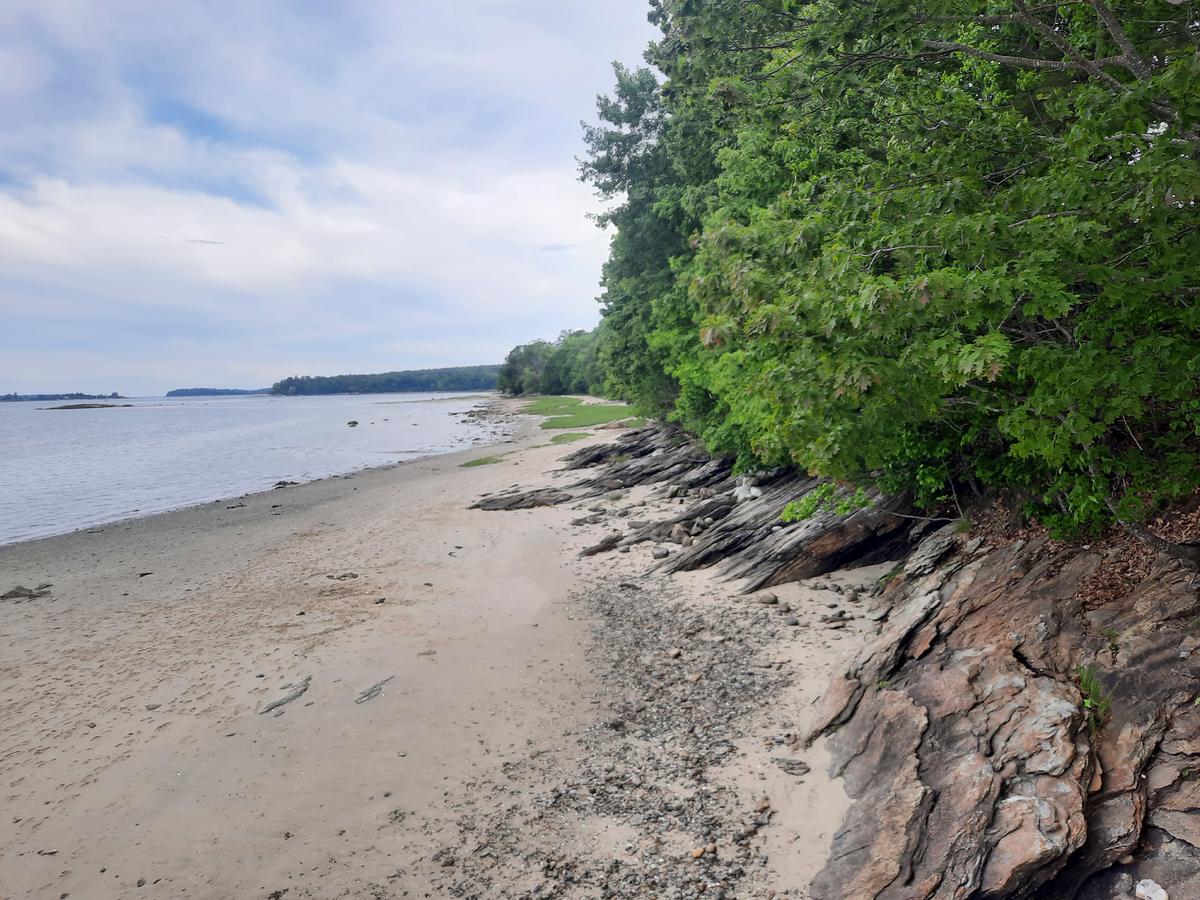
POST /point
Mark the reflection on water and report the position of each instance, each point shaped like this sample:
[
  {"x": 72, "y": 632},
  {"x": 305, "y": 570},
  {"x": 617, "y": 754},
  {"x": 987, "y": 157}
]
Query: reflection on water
[{"x": 66, "y": 469}]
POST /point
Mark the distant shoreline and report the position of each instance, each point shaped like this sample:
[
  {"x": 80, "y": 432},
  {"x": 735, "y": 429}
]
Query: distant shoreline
[
  {"x": 495, "y": 411},
  {"x": 216, "y": 392},
  {"x": 452, "y": 378},
  {"x": 90, "y": 406},
  {"x": 54, "y": 398}
]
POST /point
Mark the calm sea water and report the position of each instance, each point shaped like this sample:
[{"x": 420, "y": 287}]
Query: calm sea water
[{"x": 61, "y": 470}]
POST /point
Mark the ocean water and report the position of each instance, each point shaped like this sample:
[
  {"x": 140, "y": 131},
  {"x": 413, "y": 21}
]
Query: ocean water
[{"x": 61, "y": 470}]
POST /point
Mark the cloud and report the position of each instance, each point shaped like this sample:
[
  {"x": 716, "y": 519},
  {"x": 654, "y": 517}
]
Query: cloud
[{"x": 230, "y": 193}]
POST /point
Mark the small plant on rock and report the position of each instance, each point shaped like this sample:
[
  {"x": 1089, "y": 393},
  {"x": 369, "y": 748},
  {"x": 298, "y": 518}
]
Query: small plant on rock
[
  {"x": 1097, "y": 703},
  {"x": 1111, "y": 635},
  {"x": 825, "y": 497}
]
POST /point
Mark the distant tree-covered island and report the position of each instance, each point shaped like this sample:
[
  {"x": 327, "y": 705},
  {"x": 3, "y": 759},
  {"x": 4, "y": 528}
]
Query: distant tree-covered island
[
  {"x": 42, "y": 398},
  {"x": 457, "y": 378},
  {"x": 216, "y": 392}
]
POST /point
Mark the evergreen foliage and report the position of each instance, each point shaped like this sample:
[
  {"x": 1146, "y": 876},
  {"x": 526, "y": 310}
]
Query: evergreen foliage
[{"x": 924, "y": 247}]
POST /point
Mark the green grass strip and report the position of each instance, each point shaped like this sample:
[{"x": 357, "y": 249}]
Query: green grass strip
[
  {"x": 569, "y": 437},
  {"x": 587, "y": 416},
  {"x": 483, "y": 461},
  {"x": 572, "y": 412},
  {"x": 549, "y": 406}
]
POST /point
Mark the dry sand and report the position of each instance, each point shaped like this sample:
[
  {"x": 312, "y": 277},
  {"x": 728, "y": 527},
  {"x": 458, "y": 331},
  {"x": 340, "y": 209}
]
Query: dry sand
[{"x": 136, "y": 759}]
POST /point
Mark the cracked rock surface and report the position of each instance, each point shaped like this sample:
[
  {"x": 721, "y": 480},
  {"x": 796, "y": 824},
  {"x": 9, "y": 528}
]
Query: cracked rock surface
[{"x": 964, "y": 720}]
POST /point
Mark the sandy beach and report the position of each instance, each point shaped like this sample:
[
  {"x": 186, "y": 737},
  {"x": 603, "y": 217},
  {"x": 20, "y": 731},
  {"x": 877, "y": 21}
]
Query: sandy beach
[{"x": 361, "y": 687}]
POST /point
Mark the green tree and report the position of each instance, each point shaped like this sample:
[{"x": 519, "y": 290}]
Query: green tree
[
  {"x": 924, "y": 247},
  {"x": 522, "y": 370},
  {"x": 629, "y": 168},
  {"x": 568, "y": 365}
]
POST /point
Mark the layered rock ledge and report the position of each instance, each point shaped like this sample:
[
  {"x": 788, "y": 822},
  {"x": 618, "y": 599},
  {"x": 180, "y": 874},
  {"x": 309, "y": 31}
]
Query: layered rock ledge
[{"x": 1009, "y": 732}]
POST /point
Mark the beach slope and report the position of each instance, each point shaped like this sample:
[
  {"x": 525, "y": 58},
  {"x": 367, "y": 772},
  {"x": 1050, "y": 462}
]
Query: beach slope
[{"x": 273, "y": 693}]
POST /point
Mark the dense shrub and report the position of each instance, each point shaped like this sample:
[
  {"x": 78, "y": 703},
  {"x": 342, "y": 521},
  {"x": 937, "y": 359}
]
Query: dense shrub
[{"x": 927, "y": 247}]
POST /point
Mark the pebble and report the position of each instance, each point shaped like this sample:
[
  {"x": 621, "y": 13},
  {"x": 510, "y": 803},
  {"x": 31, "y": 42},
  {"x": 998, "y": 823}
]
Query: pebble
[{"x": 796, "y": 767}]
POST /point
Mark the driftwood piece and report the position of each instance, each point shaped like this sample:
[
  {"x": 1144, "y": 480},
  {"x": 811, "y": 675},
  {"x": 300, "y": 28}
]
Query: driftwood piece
[
  {"x": 296, "y": 693},
  {"x": 20, "y": 592},
  {"x": 606, "y": 544},
  {"x": 373, "y": 691}
]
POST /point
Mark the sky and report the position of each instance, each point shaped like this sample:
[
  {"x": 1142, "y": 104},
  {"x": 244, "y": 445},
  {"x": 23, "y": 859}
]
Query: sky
[{"x": 222, "y": 194}]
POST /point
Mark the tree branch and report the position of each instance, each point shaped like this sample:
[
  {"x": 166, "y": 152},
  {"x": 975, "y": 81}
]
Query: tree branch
[
  {"x": 1066, "y": 49},
  {"x": 1024, "y": 62},
  {"x": 1136, "y": 64},
  {"x": 1002, "y": 19},
  {"x": 973, "y": 20},
  {"x": 1186, "y": 553}
]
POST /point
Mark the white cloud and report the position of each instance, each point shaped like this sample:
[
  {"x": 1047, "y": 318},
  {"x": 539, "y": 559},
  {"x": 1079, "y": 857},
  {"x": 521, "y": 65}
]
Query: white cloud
[{"x": 236, "y": 189}]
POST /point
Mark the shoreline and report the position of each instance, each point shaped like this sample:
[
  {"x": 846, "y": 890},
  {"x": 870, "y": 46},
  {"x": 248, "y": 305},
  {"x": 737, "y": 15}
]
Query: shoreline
[
  {"x": 498, "y": 409},
  {"x": 362, "y": 687},
  {"x": 421, "y": 639}
]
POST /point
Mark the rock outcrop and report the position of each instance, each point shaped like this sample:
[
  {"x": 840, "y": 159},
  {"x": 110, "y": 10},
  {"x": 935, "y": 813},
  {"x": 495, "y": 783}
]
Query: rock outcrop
[
  {"x": 739, "y": 518},
  {"x": 965, "y": 720},
  {"x": 654, "y": 454},
  {"x": 750, "y": 540},
  {"x": 524, "y": 499},
  {"x": 1010, "y": 733}
]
